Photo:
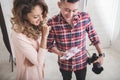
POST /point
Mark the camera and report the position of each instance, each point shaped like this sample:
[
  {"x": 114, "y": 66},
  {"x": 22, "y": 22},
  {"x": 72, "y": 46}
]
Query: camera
[{"x": 97, "y": 68}]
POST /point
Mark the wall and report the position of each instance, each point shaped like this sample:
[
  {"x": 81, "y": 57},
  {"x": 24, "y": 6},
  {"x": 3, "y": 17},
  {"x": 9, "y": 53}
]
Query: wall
[
  {"x": 106, "y": 11},
  {"x": 116, "y": 33},
  {"x": 102, "y": 15},
  {"x": 109, "y": 13}
]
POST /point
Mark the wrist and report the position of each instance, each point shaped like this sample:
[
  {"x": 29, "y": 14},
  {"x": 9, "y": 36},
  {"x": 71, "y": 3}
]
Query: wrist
[
  {"x": 102, "y": 55},
  {"x": 59, "y": 53},
  {"x": 44, "y": 37}
]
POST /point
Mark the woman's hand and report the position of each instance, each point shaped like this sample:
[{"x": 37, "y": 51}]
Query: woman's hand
[
  {"x": 27, "y": 62},
  {"x": 45, "y": 30}
]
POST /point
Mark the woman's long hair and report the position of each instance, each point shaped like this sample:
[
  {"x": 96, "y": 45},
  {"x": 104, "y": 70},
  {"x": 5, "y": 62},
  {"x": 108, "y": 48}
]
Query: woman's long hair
[{"x": 20, "y": 10}]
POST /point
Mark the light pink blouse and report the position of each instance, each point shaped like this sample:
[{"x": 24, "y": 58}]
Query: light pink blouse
[{"x": 25, "y": 47}]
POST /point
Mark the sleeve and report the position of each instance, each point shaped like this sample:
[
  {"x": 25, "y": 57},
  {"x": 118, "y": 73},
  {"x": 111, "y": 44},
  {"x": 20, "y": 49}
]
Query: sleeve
[
  {"x": 24, "y": 46},
  {"x": 41, "y": 56},
  {"x": 41, "y": 61},
  {"x": 91, "y": 31},
  {"x": 51, "y": 36}
]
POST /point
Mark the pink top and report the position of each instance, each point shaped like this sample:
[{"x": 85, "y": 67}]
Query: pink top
[{"x": 25, "y": 47}]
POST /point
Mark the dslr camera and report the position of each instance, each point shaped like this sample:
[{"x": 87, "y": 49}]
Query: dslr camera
[{"x": 97, "y": 68}]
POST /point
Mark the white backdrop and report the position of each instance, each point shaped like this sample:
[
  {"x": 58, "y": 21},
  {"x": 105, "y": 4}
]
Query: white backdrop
[
  {"x": 116, "y": 33},
  {"x": 104, "y": 13}
]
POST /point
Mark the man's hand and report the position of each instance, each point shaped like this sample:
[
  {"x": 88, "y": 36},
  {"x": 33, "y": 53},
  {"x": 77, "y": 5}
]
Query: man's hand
[
  {"x": 100, "y": 60},
  {"x": 61, "y": 53}
]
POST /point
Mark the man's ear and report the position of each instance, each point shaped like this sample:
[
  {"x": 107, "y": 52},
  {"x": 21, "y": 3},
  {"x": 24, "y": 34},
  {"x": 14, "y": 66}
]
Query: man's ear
[{"x": 59, "y": 4}]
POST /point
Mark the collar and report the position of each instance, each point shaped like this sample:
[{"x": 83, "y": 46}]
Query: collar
[{"x": 76, "y": 19}]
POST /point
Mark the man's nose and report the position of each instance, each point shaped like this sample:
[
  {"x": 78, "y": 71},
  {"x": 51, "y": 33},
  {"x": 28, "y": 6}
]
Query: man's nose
[{"x": 71, "y": 14}]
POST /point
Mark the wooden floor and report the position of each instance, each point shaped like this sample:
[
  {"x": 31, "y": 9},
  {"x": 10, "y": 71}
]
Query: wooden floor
[
  {"x": 6, "y": 73},
  {"x": 111, "y": 68}
]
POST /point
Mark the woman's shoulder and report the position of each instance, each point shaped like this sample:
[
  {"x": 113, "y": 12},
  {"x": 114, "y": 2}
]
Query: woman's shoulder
[{"x": 19, "y": 36}]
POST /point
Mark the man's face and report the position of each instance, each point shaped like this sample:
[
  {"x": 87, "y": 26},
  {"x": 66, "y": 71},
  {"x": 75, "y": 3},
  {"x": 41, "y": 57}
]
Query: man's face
[{"x": 68, "y": 10}]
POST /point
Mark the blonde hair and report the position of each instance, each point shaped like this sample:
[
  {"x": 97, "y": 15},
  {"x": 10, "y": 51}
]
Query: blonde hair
[{"x": 20, "y": 9}]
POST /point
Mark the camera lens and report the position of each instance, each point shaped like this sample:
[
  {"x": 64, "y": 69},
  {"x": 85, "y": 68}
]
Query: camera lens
[{"x": 97, "y": 68}]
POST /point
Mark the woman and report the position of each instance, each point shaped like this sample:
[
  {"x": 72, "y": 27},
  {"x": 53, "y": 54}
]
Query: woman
[{"x": 29, "y": 35}]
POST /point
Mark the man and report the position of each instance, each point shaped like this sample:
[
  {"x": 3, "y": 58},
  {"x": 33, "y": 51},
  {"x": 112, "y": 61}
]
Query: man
[{"x": 68, "y": 30}]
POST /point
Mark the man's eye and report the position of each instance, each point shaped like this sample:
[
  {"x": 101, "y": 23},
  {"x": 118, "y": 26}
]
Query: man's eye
[
  {"x": 35, "y": 17},
  {"x": 74, "y": 10},
  {"x": 68, "y": 10}
]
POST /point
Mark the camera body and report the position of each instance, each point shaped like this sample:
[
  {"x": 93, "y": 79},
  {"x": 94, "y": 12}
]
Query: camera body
[
  {"x": 97, "y": 68},
  {"x": 92, "y": 59}
]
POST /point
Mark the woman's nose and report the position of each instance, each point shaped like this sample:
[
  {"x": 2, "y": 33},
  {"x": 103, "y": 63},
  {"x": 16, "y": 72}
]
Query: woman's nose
[{"x": 41, "y": 18}]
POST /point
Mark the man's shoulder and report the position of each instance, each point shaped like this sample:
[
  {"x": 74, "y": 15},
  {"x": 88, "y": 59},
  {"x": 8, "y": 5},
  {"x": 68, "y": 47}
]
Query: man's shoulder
[
  {"x": 83, "y": 14},
  {"x": 53, "y": 20}
]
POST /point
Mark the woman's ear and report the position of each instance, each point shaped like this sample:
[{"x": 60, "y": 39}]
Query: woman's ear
[{"x": 25, "y": 17}]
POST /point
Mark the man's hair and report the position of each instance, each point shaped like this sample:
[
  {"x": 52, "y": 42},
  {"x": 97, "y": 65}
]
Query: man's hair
[{"x": 71, "y": 1}]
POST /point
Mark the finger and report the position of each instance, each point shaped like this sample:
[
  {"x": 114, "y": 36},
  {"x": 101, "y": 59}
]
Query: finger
[
  {"x": 96, "y": 61},
  {"x": 49, "y": 28}
]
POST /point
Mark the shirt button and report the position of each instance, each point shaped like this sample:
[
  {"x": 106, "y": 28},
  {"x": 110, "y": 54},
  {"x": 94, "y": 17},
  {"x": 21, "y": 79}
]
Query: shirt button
[{"x": 72, "y": 67}]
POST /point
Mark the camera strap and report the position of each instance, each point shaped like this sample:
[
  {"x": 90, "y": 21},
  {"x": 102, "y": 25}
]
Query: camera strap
[{"x": 87, "y": 52}]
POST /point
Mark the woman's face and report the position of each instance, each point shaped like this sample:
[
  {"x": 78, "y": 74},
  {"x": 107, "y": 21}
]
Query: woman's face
[{"x": 35, "y": 16}]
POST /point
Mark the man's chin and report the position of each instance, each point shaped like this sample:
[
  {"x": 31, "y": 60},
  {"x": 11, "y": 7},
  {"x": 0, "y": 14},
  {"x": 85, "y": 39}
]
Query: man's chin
[{"x": 68, "y": 20}]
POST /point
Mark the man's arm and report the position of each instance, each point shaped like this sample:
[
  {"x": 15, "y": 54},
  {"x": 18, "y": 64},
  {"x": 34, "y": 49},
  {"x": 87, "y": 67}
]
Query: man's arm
[
  {"x": 97, "y": 46},
  {"x": 94, "y": 38},
  {"x": 56, "y": 51},
  {"x": 100, "y": 58}
]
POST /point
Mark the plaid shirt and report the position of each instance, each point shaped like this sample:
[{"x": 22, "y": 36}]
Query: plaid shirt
[{"x": 64, "y": 37}]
